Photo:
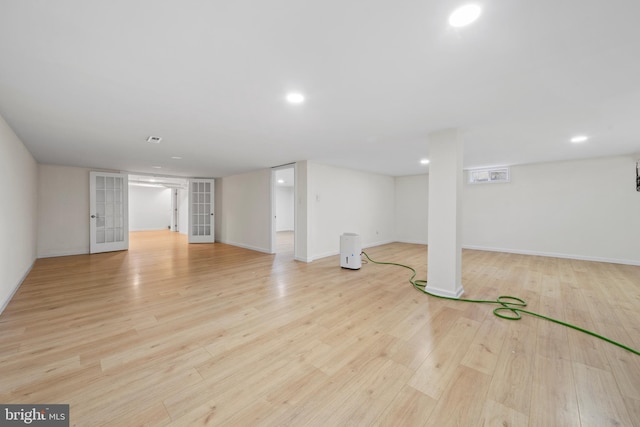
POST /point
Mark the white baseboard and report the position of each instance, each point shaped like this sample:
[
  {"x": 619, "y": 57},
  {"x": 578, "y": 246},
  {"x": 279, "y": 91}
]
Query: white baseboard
[
  {"x": 380, "y": 243},
  {"x": 554, "y": 255},
  {"x": 242, "y": 245},
  {"x": 443, "y": 292},
  {"x": 333, "y": 253},
  {"x": 413, "y": 242},
  {"x": 15, "y": 288},
  {"x": 64, "y": 253},
  {"x": 324, "y": 255}
]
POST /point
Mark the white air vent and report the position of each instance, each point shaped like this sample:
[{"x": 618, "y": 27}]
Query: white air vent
[
  {"x": 154, "y": 139},
  {"x": 491, "y": 175}
]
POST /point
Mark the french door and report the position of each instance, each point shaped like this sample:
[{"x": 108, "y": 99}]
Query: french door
[
  {"x": 108, "y": 205},
  {"x": 201, "y": 224}
]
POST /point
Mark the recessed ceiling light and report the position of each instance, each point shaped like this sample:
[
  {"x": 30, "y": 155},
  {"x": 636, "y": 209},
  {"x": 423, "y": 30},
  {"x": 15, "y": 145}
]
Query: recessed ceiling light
[
  {"x": 464, "y": 15},
  {"x": 176, "y": 157},
  {"x": 154, "y": 139},
  {"x": 157, "y": 167},
  {"x": 281, "y": 181},
  {"x": 295, "y": 98},
  {"x": 579, "y": 138},
  {"x": 424, "y": 161}
]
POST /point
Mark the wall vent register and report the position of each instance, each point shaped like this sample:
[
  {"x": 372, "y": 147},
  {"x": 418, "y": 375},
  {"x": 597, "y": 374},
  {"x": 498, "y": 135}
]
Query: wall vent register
[{"x": 491, "y": 175}]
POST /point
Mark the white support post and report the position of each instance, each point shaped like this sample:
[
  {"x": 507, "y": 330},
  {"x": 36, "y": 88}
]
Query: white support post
[{"x": 444, "y": 269}]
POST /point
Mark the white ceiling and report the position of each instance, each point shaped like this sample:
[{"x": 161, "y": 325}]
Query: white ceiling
[
  {"x": 158, "y": 181},
  {"x": 85, "y": 83}
]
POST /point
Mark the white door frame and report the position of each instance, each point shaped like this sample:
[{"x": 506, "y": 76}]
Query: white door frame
[
  {"x": 108, "y": 212},
  {"x": 174, "y": 209}
]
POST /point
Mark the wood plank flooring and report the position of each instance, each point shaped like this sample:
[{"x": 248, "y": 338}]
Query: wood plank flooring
[{"x": 171, "y": 334}]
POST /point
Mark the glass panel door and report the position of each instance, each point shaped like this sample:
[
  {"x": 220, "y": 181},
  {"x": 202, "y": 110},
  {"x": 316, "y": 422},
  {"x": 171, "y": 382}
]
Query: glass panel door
[
  {"x": 201, "y": 224},
  {"x": 108, "y": 201}
]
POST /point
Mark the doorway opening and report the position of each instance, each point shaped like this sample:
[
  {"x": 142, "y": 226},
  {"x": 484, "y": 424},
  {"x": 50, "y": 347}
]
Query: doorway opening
[
  {"x": 158, "y": 203},
  {"x": 283, "y": 210}
]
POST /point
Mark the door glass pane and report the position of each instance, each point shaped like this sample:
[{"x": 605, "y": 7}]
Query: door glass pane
[{"x": 110, "y": 219}]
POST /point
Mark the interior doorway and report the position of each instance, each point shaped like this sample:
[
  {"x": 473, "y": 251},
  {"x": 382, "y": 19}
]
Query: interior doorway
[
  {"x": 283, "y": 210},
  {"x": 158, "y": 203}
]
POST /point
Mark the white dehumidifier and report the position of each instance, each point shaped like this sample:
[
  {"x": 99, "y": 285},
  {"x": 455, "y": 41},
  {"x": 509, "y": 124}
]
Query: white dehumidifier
[{"x": 350, "y": 249}]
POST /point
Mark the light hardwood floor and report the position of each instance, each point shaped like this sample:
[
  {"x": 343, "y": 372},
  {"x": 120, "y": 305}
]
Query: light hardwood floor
[{"x": 170, "y": 334}]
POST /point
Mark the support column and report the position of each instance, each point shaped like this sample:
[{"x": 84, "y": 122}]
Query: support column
[{"x": 444, "y": 269}]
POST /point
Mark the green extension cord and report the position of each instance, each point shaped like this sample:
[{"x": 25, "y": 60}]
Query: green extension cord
[{"x": 510, "y": 307}]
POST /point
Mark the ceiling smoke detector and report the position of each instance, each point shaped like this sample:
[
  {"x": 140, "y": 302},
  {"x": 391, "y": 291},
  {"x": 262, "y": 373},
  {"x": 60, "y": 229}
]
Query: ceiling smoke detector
[{"x": 154, "y": 139}]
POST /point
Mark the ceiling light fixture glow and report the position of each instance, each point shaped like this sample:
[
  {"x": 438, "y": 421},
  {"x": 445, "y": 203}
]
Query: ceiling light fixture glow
[
  {"x": 281, "y": 181},
  {"x": 578, "y": 139},
  {"x": 157, "y": 167},
  {"x": 295, "y": 98},
  {"x": 424, "y": 161},
  {"x": 464, "y": 15},
  {"x": 176, "y": 157}
]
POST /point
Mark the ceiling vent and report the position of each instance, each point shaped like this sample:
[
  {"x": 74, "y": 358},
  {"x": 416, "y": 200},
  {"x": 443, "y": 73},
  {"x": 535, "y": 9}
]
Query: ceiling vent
[{"x": 154, "y": 139}]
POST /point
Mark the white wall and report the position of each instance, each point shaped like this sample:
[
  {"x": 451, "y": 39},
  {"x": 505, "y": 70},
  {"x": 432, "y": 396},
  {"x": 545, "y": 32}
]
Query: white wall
[
  {"x": 284, "y": 208},
  {"x": 243, "y": 210},
  {"x": 584, "y": 209},
  {"x": 149, "y": 208},
  {"x": 343, "y": 200},
  {"x": 63, "y": 211},
  {"x": 412, "y": 208},
  {"x": 18, "y": 216}
]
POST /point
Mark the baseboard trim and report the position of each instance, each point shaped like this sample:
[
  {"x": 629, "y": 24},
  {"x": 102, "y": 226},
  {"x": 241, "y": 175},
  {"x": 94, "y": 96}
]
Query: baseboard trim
[
  {"x": 444, "y": 293},
  {"x": 242, "y": 245},
  {"x": 333, "y": 253},
  {"x": 413, "y": 242},
  {"x": 64, "y": 253},
  {"x": 324, "y": 255},
  {"x": 554, "y": 255},
  {"x": 380, "y": 243},
  {"x": 16, "y": 287}
]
